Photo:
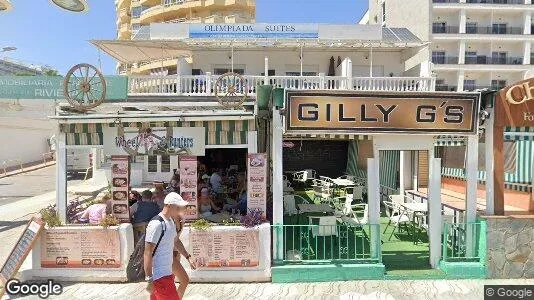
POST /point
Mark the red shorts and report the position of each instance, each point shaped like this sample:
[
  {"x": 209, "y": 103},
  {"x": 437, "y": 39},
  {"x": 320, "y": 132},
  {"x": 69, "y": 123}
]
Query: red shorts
[{"x": 165, "y": 289}]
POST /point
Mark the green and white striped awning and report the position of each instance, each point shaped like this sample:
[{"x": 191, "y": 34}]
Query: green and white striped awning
[
  {"x": 224, "y": 132},
  {"x": 525, "y": 133},
  {"x": 293, "y": 136},
  {"x": 449, "y": 141}
]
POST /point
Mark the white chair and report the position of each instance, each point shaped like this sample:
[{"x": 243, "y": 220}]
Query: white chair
[
  {"x": 301, "y": 176},
  {"x": 327, "y": 226},
  {"x": 396, "y": 214},
  {"x": 323, "y": 190},
  {"x": 355, "y": 193},
  {"x": 289, "y": 205}
]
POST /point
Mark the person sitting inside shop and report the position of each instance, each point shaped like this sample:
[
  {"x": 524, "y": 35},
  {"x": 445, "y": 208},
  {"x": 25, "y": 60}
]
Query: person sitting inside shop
[
  {"x": 174, "y": 185},
  {"x": 142, "y": 212},
  {"x": 96, "y": 211},
  {"x": 241, "y": 204},
  {"x": 206, "y": 207},
  {"x": 216, "y": 180},
  {"x": 203, "y": 182}
]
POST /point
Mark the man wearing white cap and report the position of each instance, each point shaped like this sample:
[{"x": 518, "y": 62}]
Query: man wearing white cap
[{"x": 159, "y": 246}]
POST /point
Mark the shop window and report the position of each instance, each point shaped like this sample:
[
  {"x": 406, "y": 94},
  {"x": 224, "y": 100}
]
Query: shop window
[
  {"x": 165, "y": 163},
  {"x": 152, "y": 164}
]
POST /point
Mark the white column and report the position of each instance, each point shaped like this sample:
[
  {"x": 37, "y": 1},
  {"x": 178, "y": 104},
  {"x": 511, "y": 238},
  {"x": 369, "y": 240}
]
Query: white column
[
  {"x": 252, "y": 138},
  {"x": 490, "y": 209},
  {"x": 461, "y": 77},
  {"x": 97, "y": 157},
  {"x": 61, "y": 176},
  {"x": 373, "y": 198},
  {"x": 402, "y": 167},
  {"x": 415, "y": 170},
  {"x": 266, "y": 70},
  {"x": 461, "y": 53},
  {"x": 178, "y": 75},
  {"x": 278, "y": 204},
  {"x": 463, "y": 21},
  {"x": 434, "y": 209},
  {"x": 471, "y": 192},
  {"x": 527, "y": 17},
  {"x": 406, "y": 169},
  {"x": 527, "y": 48},
  {"x": 208, "y": 83}
]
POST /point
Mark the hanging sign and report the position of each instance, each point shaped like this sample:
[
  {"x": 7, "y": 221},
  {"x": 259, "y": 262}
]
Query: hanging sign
[
  {"x": 381, "y": 112},
  {"x": 188, "y": 184},
  {"x": 51, "y": 87},
  {"x": 257, "y": 182},
  {"x": 155, "y": 141},
  {"x": 254, "y": 30},
  {"x": 514, "y": 105},
  {"x": 120, "y": 187}
]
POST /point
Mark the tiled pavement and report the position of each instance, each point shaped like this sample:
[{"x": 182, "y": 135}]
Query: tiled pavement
[{"x": 387, "y": 289}]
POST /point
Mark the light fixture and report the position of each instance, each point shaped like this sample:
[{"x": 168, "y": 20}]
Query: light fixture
[
  {"x": 72, "y": 5},
  {"x": 5, "y": 6}
]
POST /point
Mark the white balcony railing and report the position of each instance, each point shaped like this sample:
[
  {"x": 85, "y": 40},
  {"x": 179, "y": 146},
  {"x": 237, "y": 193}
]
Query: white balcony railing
[{"x": 204, "y": 85}]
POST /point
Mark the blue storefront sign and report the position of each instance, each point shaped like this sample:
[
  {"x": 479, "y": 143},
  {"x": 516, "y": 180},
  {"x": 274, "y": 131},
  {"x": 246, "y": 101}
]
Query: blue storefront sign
[
  {"x": 256, "y": 30},
  {"x": 51, "y": 87}
]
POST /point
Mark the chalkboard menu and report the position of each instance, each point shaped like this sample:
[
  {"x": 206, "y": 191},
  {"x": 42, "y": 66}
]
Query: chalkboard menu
[{"x": 22, "y": 248}]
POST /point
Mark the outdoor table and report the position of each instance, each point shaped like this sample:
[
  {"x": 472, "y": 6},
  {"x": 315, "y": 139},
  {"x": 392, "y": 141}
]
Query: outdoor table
[
  {"x": 340, "y": 183},
  {"x": 415, "y": 207},
  {"x": 315, "y": 208}
]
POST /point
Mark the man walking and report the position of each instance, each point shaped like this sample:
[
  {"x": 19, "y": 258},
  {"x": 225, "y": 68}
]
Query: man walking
[{"x": 159, "y": 246}]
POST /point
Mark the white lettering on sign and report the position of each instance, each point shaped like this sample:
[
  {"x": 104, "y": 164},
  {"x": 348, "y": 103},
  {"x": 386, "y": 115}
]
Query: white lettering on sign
[
  {"x": 525, "y": 91},
  {"x": 527, "y": 116}
]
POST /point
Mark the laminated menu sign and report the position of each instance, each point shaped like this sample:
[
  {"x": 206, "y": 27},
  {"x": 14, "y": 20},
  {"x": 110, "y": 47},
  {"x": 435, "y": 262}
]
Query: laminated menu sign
[
  {"x": 188, "y": 184},
  {"x": 80, "y": 248},
  {"x": 257, "y": 182},
  {"x": 225, "y": 249},
  {"x": 20, "y": 251},
  {"x": 120, "y": 187}
]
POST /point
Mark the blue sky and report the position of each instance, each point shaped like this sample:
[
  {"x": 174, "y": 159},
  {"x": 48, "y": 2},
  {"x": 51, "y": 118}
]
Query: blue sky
[{"x": 45, "y": 34}]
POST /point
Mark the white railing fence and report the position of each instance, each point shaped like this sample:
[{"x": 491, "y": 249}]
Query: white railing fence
[{"x": 205, "y": 84}]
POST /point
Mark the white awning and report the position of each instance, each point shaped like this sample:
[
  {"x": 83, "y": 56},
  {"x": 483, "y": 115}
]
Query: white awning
[{"x": 137, "y": 51}]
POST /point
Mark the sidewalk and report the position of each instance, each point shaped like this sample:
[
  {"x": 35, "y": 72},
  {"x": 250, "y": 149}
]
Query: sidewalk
[{"x": 386, "y": 289}]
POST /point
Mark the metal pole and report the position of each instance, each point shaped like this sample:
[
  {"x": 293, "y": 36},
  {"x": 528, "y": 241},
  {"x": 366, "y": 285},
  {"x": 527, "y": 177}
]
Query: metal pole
[
  {"x": 232, "y": 58},
  {"x": 301, "y": 60}
]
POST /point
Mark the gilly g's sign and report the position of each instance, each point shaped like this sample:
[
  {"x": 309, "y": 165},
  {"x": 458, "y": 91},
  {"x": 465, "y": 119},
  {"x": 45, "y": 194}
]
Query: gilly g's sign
[
  {"x": 515, "y": 105},
  {"x": 380, "y": 112}
]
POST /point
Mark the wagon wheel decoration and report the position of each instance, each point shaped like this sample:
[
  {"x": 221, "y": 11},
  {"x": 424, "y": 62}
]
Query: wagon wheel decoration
[
  {"x": 84, "y": 87},
  {"x": 231, "y": 90}
]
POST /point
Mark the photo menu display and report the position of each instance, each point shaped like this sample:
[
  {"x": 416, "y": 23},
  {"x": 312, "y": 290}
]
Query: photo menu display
[
  {"x": 120, "y": 187},
  {"x": 188, "y": 185}
]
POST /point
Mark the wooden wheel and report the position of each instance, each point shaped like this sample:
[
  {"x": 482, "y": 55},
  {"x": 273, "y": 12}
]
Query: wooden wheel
[
  {"x": 84, "y": 87},
  {"x": 231, "y": 89}
]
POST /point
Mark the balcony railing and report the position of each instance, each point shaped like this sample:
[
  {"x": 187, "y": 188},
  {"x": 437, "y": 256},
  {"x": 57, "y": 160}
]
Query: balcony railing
[
  {"x": 464, "y": 242},
  {"x": 482, "y": 1},
  {"x": 204, "y": 85},
  {"x": 445, "y": 60},
  {"x": 445, "y": 29},
  {"x": 493, "y": 30},
  {"x": 488, "y": 60},
  {"x": 445, "y": 1}
]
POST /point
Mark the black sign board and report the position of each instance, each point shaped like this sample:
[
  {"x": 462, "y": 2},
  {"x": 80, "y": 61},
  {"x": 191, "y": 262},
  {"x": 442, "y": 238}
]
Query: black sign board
[{"x": 20, "y": 251}]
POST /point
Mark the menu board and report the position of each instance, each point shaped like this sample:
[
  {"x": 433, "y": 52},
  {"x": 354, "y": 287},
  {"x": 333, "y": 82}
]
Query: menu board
[
  {"x": 120, "y": 187},
  {"x": 80, "y": 248},
  {"x": 225, "y": 249},
  {"x": 20, "y": 251},
  {"x": 188, "y": 185},
  {"x": 257, "y": 182}
]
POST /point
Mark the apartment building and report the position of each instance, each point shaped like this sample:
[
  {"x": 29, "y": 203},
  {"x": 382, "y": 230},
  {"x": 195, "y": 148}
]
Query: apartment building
[
  {"x": 134, "y": 17},
  {"x": 474, "y": 44}
]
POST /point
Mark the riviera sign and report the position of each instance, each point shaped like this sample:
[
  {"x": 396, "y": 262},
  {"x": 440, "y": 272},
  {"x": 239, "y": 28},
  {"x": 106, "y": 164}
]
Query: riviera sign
[
  {"x": 51, "y": 87},
  {"x": 256, "y": 30}
]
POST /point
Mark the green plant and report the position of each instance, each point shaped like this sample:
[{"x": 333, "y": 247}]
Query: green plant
[
  {"x": 50, "y": 216},
  {"x": 201, "y": 224},
  {"x": 109, "y": 220},
  {"x": 231, "y": 222}
]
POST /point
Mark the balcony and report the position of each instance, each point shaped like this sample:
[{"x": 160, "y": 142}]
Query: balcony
[
  {"x": 445, "y": 29},
  {"x": 445, "y": 60},
  {"x": 482, "y": 1},
  {"x": 204, "y": 85},
  {"x": 493, "y": 30},
  {"x": 488, "y": 60},
  {"x": 445, "y": 1}
]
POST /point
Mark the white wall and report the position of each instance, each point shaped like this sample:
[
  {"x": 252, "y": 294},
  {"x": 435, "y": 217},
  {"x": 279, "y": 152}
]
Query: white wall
[
  {"x": 283, "y": 61},
  {"x": 24, "y": 129}
]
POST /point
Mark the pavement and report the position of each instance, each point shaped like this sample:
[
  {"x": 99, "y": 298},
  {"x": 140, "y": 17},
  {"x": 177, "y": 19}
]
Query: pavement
[{"x": 365, "y": 289}]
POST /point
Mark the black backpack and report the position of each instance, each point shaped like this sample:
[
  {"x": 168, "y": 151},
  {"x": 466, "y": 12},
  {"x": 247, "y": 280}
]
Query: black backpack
[{"x": 135, "y": 270}]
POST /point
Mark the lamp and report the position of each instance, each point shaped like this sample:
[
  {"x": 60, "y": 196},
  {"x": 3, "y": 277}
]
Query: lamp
[
  {"x": 5, "y": 6},
  {"x": 72, "y": 5}
]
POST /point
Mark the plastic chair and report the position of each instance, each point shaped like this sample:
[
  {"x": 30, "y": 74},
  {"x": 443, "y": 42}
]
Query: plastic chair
[{"x": 396, "y": 214}]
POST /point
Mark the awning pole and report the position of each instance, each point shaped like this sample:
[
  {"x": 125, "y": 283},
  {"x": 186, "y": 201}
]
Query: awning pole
[
  {"x": 301, "y": 60},
  {"x": 371, "y": 62}
]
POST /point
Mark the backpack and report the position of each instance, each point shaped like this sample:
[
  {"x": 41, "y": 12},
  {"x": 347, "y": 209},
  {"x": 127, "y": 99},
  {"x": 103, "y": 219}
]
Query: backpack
[{"x": 135, "y": 270}]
